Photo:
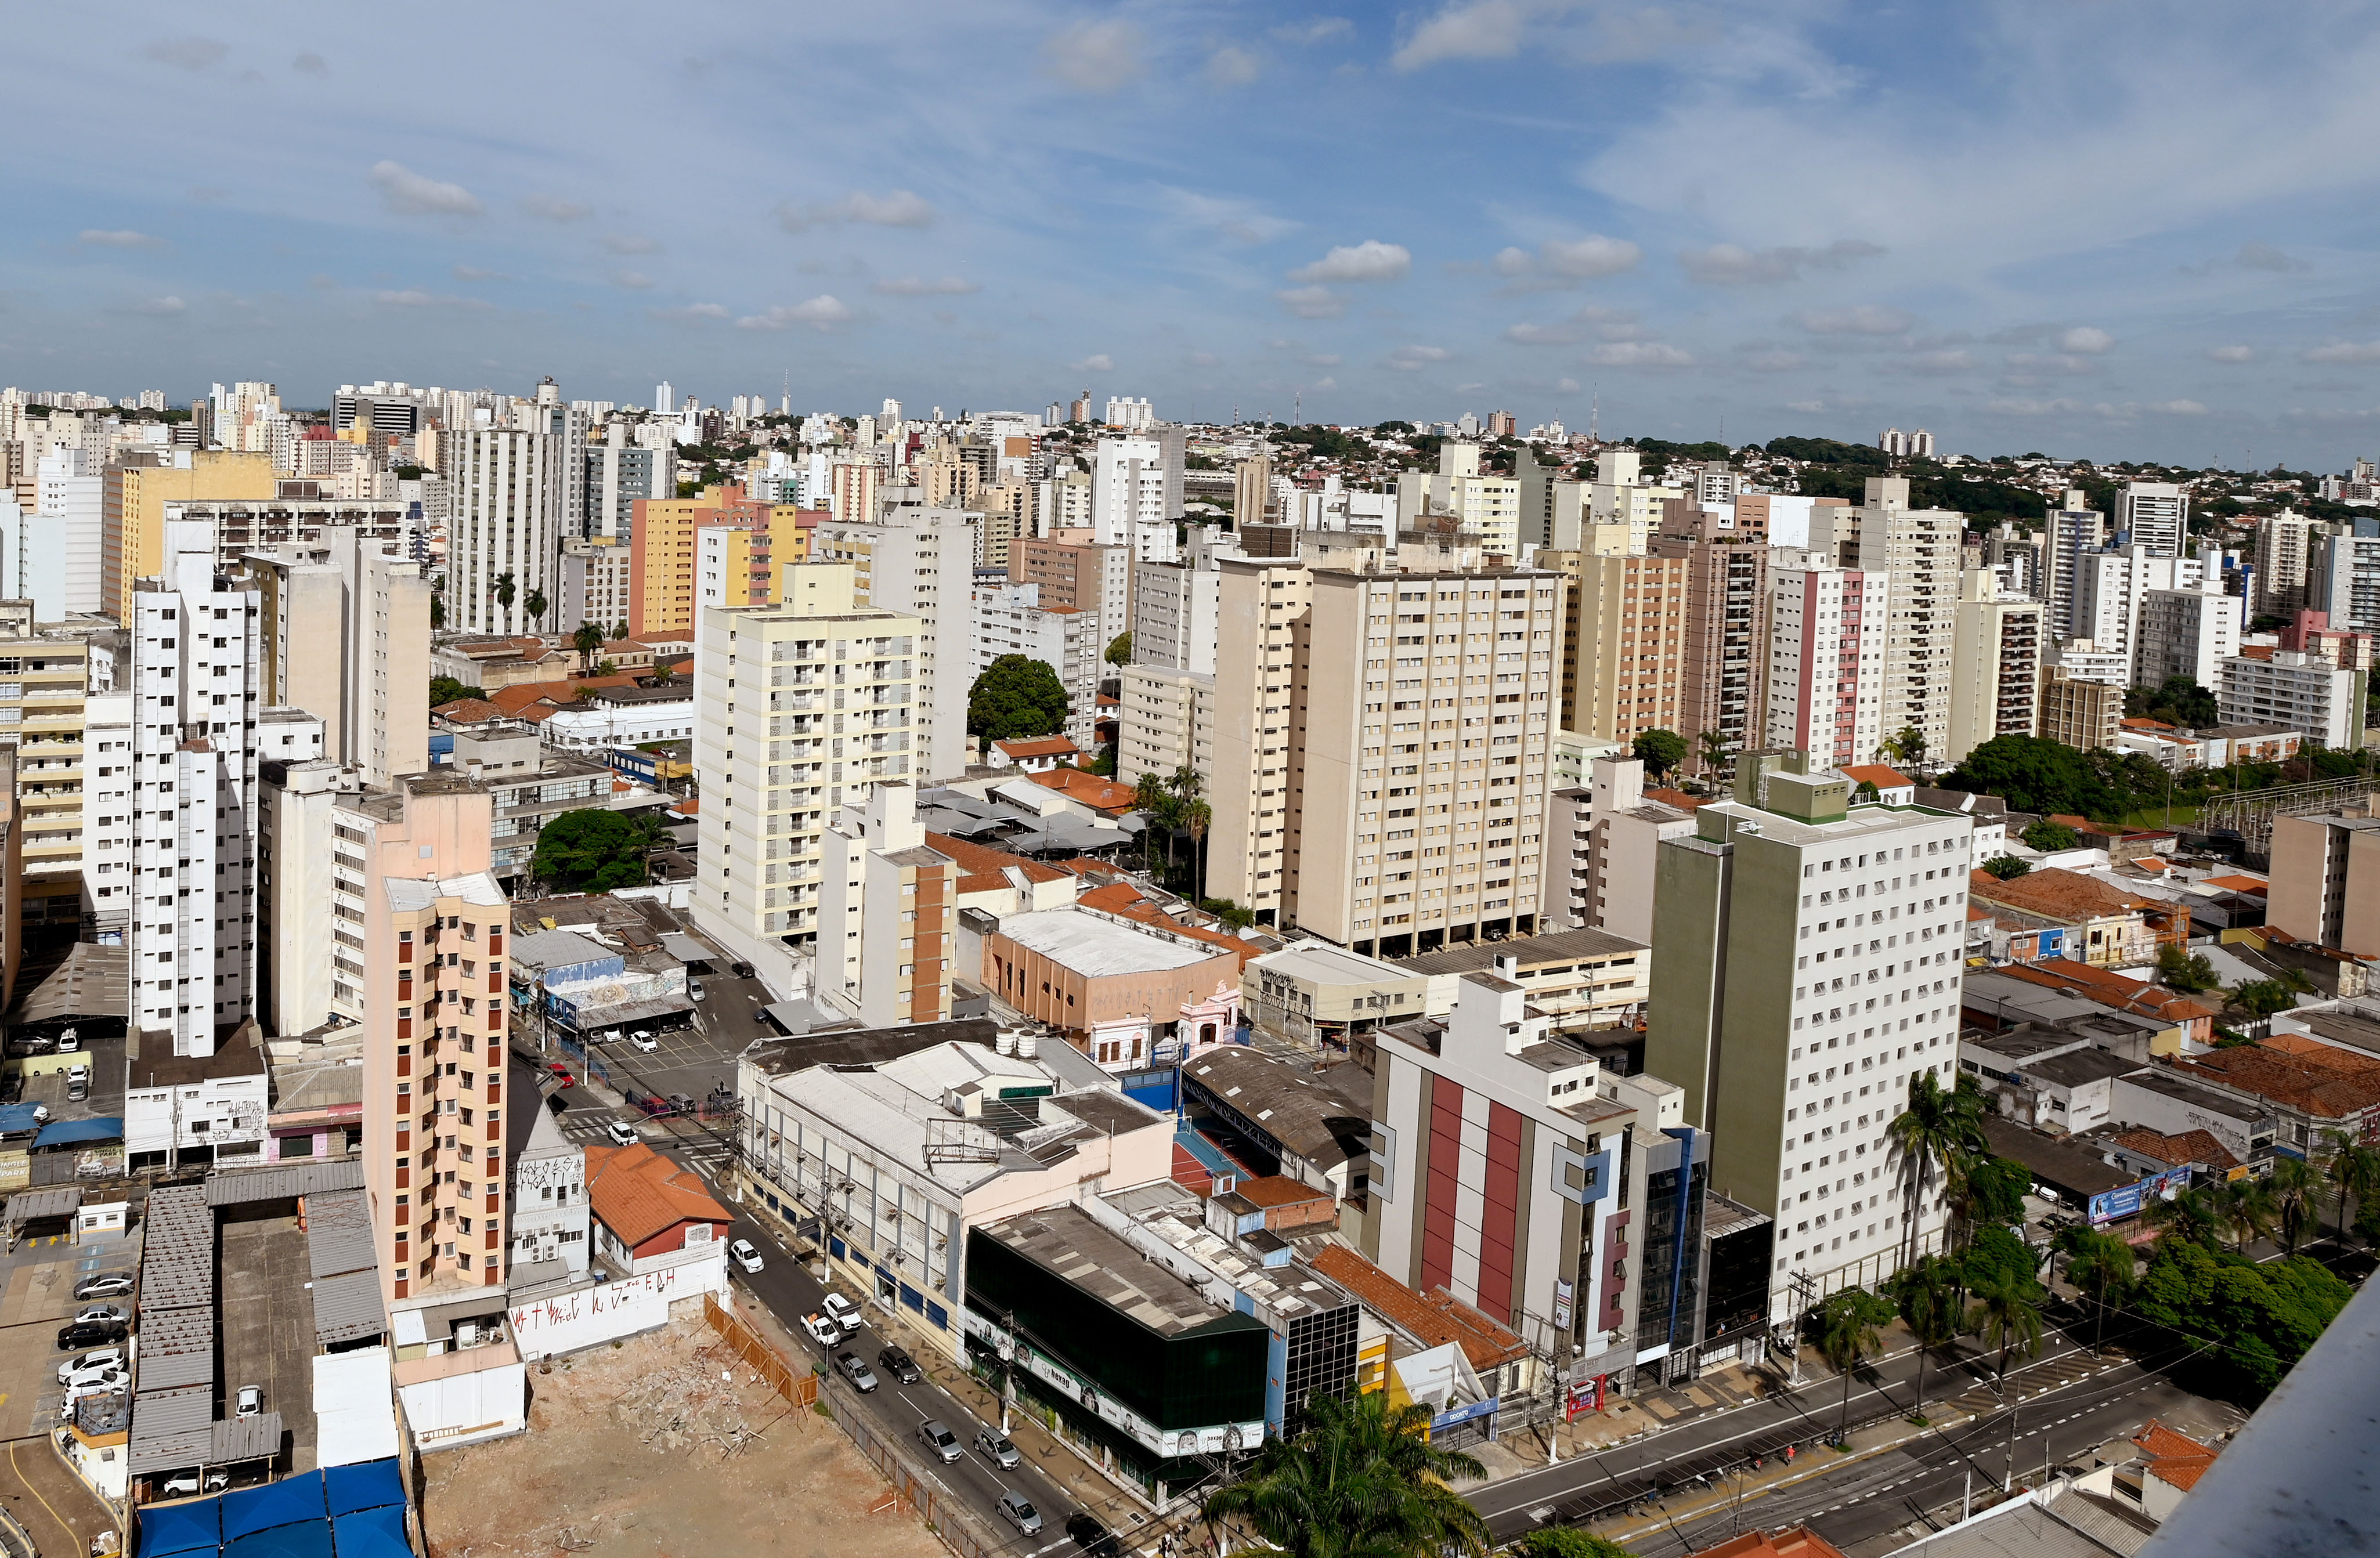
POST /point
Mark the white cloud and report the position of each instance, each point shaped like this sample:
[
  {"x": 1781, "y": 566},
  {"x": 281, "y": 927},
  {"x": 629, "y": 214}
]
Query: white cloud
[
  {"x": 2345, "y": 351},
  {"x": 2033, "y": 407},
  {"x": 1232, "y": 66},
  {"x": 823, "y": 312},
  {"x": 1311, "y": 302},
  {"x": 1318, "y": 30},
  {"x": 1410, "y": 358},
  {"x": 1942, "y": 362},
  {"x": 1807, "y": 407},
  {"x": 1098, "y": 362},
  {"x": 1204, "y": 359},
  {"x": 1773, "y": 362},
  {"x": 411, "y": 194},
  {"x": 1370, "y": 261},
  {"x": 554, "y": 208},
  {"x": 161, "y": 307},
  {"x": 1864, "y": 318},
  {"x": 2230, "y": 354},
  {"x": 1235, "y": 219},
  {"x": 187, "y": 53},
  {"x": 479, "y": 274},
  {"x": 692, "y": 311},
  {"x": 1094, "y": 57},
  {"x": 2251, "y": 256},
  {"x": 1566, "y": 386},
  {"x": 2178, "y": 407},
  {"x": 1589, "y": 257},
  {"x": 2086, "y": 338},
  {"x": 1639, "y": 354},
  {"x": 309, "y": 63},
  {"x": 916, "y": 286},
  {"x": 415, "y": 297},
  {"x": 629, "y": 242},
  {"x": 94, "y": 238},
  {"x": 1609, "y": 324},
  {"x": 1478, "y": 29},
  {"x": 1326, "y": 382},
  {"x": 900, "y": 208},
  {"x": 1325, "y": 360},
  {"x": 636, "y": 281},
  {"x": 2029, "y": 365},
  {"x": 1729, "y": 265}
]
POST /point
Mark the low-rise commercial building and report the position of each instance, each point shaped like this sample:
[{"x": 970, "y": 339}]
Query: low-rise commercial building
[
  {"x": 1284, "y": 1118},
  {"x": 1114, "y": 988},
  {"x": 1327, "y": 998}
]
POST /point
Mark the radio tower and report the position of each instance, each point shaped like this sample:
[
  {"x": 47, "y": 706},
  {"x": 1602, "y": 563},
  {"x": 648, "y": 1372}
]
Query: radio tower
[{"x": 1595, "y": 418}]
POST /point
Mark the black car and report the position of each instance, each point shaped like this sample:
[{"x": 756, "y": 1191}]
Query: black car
[
  {"x": 897, "y": 1362},
  {"x": 1091, "y": 1535},
  {"x": 91, "y": 1334}
]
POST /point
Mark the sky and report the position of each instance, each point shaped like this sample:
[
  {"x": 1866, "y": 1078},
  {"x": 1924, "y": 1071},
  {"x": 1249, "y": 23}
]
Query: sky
[{"x": 2117, "y": 231}]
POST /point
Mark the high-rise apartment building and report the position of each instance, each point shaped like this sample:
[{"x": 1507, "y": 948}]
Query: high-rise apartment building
[
  {"x": 1806, "y": 957},
  {"x": 2308, "y": 693},
  {"x": 617, "y": 472},
  {"x": 594, "y": 575},
  {"x": 1251, "y": 490},
  {"x": 2071, "y": 533},
  {"x": 45, "y": 679},
  {"x": 54, "y": 561},
  {"x": 2081, "y": 712},
  {"x": 1395, "y": 734},
  {"x": 1177, "y": 612},
  {"x": 1611, "y": 831},
  {"x": 667, "y": 583},
  {"x": 1826, "y": 654},
  {"x": 922, "y": 562},
  {"x": 1996, "y": 676},
  {"x": 2155, "y": 514},
  {"x": 739, "y": 564},
  {"x": 135, "y": 489},
  {"x": 310, "y": 893},
  {"x": 1136, "y": 494},
  {"x": 2189, "y": 631},
  {"x": 1091, "y": 576},
  {"x": 345, "y": 634},
  {"x": 504, "y": 525},
  {"x": 198, "y": 702},
  {"x": 797, "y": 708},
  {"x": 1623, "y": 641},
  {"x": 1723, "y": 664},
  {"x": 1488, "y": 508},
  {"x": 1010, "y": 620},
  {"x": 2282, "y": 556},
  {"x": 1165, "y": 721},
  {"x": 1920, "y": 550},
  {"x": 887, "y": 911}
]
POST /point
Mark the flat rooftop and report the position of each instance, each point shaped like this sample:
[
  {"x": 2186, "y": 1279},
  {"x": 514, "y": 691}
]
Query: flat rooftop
[
  {"x": 1068, "y": 1243},
  {"x": 1097, "y": 948},
  {"x": 1529, "y": 951}
]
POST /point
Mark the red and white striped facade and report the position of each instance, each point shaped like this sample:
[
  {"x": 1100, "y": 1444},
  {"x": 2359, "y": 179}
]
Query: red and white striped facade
[{"x": 1826, "y": 659}]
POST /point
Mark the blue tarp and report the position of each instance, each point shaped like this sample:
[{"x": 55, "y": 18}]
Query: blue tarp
[
  {"x": 275, "y": 1504},
  {"x": 15, "y": 1118},
  {"x": 373, "y": 1533},
  {"x": 66, "y": 1133},
  {"x": 181, "y": 1528},
  {"x": 303, "y": 1538},
  {"x": 366, "y": 1486}
]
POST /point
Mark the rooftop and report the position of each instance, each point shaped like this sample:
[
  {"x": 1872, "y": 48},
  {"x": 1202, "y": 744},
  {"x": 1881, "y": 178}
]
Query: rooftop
[
  {"x": 2190, "y": 1147},
  {"x": 2079, "y": 1068},
  {"x": 2322, "y": 1081},
  {"x": 1069, "y": 1244},
  {"x": 1297, "y": 1109},
  {"x": 1432, "y": 1319},
  {"x": 1097, "y": 948},
  {"x": 1323, "y": 963},
  {"x": 1530, "y": 952},
  {"x": 2058, "y": 1163},
  {"x": 638, "y": 1193}
]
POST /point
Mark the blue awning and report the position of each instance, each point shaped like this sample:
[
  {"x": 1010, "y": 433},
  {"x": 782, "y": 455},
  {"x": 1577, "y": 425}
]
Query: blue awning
[
  {"x": 373, "y": 1533},
  {"x": 275, "y": 1504},
  {"x": 15, "y": 1118},
  {"x": 196, "y": 1527},
  {"x": 366, "y": 1485},
  {"x": 67, "y": 1133},
  {"x": 301, "y": 1538}
]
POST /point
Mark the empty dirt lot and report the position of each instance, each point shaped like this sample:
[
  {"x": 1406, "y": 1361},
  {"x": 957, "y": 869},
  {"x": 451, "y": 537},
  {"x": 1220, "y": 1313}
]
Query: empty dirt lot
[{"x": 645, "y": 1451}]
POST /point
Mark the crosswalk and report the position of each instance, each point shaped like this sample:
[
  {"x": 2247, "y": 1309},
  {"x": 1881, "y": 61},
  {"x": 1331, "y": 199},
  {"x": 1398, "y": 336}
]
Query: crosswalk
[{"x": 2050, "y": 1374}]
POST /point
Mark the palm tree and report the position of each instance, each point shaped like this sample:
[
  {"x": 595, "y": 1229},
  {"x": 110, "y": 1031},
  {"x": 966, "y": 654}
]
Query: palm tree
[
  {"x": 1196, "y": 817},
  {"x": 1161, "y": 809},
  {"x": 1847, "y": 1334},
  {"x": 2007, "y": 1316},
  {"x": 2354, "y": 1171},
  {"x": 1360, "y": 1481},
  {"x": 2194, "y": 1216},
  {"x": 2100, "y": 1265},
  {"x": 1926, "y": 1296},
  {"x": 586, "y": 639},
  {"x": 2293, "y": 1183},
  {"x": 1717, "y": 751},
  {"x": 2247, "y": 1210},
  {"x": 535, "y": 606},
  {"x": 1939, "y": 1129}
]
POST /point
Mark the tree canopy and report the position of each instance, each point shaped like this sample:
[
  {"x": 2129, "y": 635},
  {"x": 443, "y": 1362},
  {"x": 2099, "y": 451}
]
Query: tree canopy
[
  {"x": 593, "y": 849},
  {"x": 2258, "y": 1319},
  {"x": 445, "y": 690},
  {"x": 1660, "y": 750},
  {"x": 1118, "y": 650},
  {"x": 2007, "y": 868},
  {"x": 2051, "y": 837},
  {"x": 2179, "y": 701},
  {"x": 1360, "y": 1478},
  {"x": 1016, "y": 696}
]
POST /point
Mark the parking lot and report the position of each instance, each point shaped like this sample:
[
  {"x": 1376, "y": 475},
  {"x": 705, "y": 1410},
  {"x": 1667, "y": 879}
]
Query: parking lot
[
  {"x": 687, "y": 1060},
  {"x": 267, "y": 1325},
  {"x": 37, "y": 1282}
]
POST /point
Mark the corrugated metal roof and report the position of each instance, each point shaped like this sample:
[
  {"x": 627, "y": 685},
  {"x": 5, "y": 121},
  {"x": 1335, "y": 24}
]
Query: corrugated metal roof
[
  {"x": 26, "y": 1206},
  {"x": 171, "y": 1430},
  {"x": 338, "y": 1233},
  {"x": 178, "y": 1252},
  {"x": 91, "y": 983},
  {"x": 177, "y": 1348},
  {"x": 347, "y": 1306},
  {"x": 245, "y": 1439},
  {"x": 283, "y": 1181}
]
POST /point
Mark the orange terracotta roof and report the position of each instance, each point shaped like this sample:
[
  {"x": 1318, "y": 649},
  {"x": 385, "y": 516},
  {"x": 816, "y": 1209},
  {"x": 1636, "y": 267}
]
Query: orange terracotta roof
[
  {"x": 2294, "y": 1082},
  {"x": 1125, "y": 900},
  {"x": 985, "y": 870},
  {"x": 639, "y": 1193},
  {"x": 1798, "y": 1541},
  {"x": 2110, "y": 989},
  {"x": 1877, "y": 775},
  {"x": 1280, "y": 1189},
  {"x": 2257, "y": 651},
  {"x": 538, "y": 713},
  {"x": 691, "y": 806},
  {"x": 2174, "y": 1458},
  {"x": 2067, "y": 819},
  {"x": 2322, "y": 1057},
  {"x": 2238, "y": 884},
  {"x": 1677, "y": 798},
  {"x": 2055, "y": 893},
  {"x": 1080, "y": 784},
  {"x": 1040, "y": 746},
  {"x": 1435, "y": 1319},
  {"x": 2189, "y": 1146},
  {"x": 519, "y": 696},
  {"x": 2137, "y": 724},
  {"x": 467, "y": 711}
]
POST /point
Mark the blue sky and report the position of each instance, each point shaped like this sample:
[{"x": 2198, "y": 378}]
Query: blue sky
[{"x": 2140, "y": 230}]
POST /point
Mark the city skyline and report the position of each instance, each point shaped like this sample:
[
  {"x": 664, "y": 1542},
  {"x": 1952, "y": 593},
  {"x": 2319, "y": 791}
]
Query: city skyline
[{"x": 2023, "y": 231}]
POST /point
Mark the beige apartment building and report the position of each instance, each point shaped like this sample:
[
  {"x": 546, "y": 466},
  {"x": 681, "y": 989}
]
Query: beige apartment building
[
  {"x": 133, "y": 496},
  {"x": 43, "y": 687},
  {"x": 1996, "y": 673},
  {"x": 1624, "y": 643},
  {"x": 2326, "y": 882},
  {"x": 1396, "y": 735},
  {"x": 1165, "y": 721},
  {"x": 1920, "y": 550},
  {"x": 922, "y": 562},
  {"x": 343, "y": 629},
  {"x": 888, "y": 908},
  {"x": 2080, "y": 713},
  {"x": 798, "y": 707}
]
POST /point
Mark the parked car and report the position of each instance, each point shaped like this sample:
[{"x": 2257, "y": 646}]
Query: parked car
[
  {"x": 100, "y": 1358},
  {"x": 1091, "y": 1535},
  {"x": 249, "y": 1403},
  {"x": 855, "y": 1369},
  {"x": 622, "y": 1134},
  {"x": 897, "y": 1362},
  {"x": 742, "y": 971},
  {"x": 75, "y": 1392},
  {"x": 608, "y": 1036},
  {"x": 32, "y": 1044},
  {"x": 69, "y": 1041},
  {"x": 822, "y": 1330},
  {"x": 1018, "y": 1511},
  {"x": 183, "y": 1483},
  {"x": 843, "y": 1312},
  {"x": 83, "y": 1335},
  {"x": 644, "y": 1041},
  {"x": 561, "y": 1074},
  {"x": 681, "y": 1102},
  {"x": 78, "y": 1084},
  {"x": 102, "y": 1314},
  {"x": 82, "y": 1381},
  {"x": 996, "y": 1447},
  {"x": 114, "y": 1284},
  {"x": 744, "y": 1255},
  {"x": 940, "y": 1439},
  {"x": 694, "y": 987}
]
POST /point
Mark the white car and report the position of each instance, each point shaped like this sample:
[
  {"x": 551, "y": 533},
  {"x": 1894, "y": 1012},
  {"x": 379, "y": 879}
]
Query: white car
[
  {"x": 94, "y": 1382},
  {"x": 69, "y": 1042},
  {"x": 821, "y": 1330},
  {"x": 102, "y": 1314},
  {"x": 622, "y": 1134},
  {"x": 187, "y": 1483},
  {"x": 744, "y": 1255},
  {"x": 644, "y": 1041},
  {"x": 99, "y": 1357},
  {"x": 843, "y": 1312},
  {"x": 249, "y": 1402},
  {"x": 608, "y": 1036}
]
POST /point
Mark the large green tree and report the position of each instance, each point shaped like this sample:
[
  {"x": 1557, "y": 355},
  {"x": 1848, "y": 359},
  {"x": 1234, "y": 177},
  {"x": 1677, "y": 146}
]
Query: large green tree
[
  {"x": 1926, "y": 1297},
  {"x": 1660, "y": 750},
  {"x": 593, "y": 849},
  {"x": 2007, "y": 1316},
  {"x": 1016, "y": 698},
  {"x": 1360, "y": 1481},
  {"x": 2255, "y": 1320},
  {"x": 445, "y": 690},
  {"x": 2101, "y": 1265}
]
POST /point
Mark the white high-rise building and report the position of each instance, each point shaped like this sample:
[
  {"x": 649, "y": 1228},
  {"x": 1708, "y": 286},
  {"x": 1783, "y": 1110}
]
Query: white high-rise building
[
  {"x": 197, "y": 709},
  {"x": 2155, "y": 514},
  {"x": 503, "y": 530},
  {"x": 1177, "y": 612},
  {"x": 2110, "y": 586},
  {"x": 108, "y": 784},
  {"x": 2283, "y": 554},
  {"x": 1132, "y": 415},
  {"x": 1011, "y": 620},
  {"x": 1128, "y": 497},
  {"x": 1920, "y": 549},
  {"x": 2189, "y": 631},
  {"x": 1826, "y": 655},
  {"x": 921, "y": 561},
  {"x": 1806, "y": 957},
  {"x": 665, "y": 400},
  {"x": 69, "y": 497}
]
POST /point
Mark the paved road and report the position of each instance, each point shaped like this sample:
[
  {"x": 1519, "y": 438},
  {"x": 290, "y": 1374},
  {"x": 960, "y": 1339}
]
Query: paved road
[{"x": 789, "y": 1292}]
